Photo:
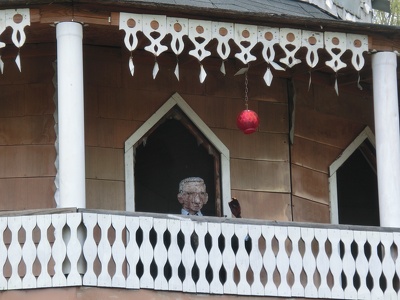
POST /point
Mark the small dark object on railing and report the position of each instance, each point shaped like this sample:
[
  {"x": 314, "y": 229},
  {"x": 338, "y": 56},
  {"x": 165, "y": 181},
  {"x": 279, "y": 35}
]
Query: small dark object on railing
[{"x": 234, "y": 205}]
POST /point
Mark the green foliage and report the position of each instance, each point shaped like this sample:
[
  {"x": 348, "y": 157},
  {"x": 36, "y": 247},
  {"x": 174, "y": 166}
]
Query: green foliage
[{"x": 392, "y": 18}]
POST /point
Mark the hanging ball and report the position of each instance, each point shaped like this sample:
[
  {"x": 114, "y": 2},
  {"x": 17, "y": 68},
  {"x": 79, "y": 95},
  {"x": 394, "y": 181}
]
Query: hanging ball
[{"x": 247, "y": 121}]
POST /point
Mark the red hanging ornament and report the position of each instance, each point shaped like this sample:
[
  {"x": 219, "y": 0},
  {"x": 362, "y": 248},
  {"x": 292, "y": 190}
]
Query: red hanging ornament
[{"x": 247, "y": 120}]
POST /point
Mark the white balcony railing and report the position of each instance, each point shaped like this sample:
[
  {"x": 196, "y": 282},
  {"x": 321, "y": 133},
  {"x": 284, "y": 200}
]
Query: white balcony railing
[{"x": 197, "y": 255}]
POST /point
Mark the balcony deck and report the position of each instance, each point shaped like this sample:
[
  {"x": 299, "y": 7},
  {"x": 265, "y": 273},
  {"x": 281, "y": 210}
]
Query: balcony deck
[{"x": 69, "y": 247}]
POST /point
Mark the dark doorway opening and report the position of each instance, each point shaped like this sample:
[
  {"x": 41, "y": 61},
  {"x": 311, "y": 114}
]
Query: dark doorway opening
[
  {"x": 357, "y": 188},
  {"x": 174, "y": 150}
]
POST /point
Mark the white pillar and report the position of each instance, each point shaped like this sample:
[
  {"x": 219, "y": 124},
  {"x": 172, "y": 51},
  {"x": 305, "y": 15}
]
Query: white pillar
[
  {"x": 71, "y": 115},
  {"x": 386, "y": 110}
]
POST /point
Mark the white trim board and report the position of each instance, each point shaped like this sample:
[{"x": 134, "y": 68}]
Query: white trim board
[{"x": 136, "y": 137}]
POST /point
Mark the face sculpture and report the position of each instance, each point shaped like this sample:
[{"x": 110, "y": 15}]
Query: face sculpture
[{"x": 192, "y": 194}]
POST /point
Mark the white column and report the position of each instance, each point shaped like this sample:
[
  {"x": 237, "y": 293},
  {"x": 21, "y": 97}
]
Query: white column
[
  {"x": 71, "y": 115},
  {"x": 386, "y": 110}
]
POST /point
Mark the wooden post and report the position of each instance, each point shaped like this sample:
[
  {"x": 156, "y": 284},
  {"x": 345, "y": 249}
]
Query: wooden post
[
  {"x": 387, "y": 137},
  {"x": 71, "y": 115}
]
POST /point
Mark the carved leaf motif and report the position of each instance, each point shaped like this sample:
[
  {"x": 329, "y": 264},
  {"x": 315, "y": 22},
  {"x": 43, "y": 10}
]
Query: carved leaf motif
[
  {"x": 335, "y": 41},
  {"x": 268, "y": 77},
  {"x": 155, "y": 69},
  {"x": 176, "y": 72},
  {"x": 18, "y": 61},
  {"x": 203, "y": 74},
  {"x": 131, "y": 66}
]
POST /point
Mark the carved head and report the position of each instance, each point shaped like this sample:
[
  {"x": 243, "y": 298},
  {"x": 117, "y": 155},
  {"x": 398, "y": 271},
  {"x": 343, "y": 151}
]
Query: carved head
[{"x": 192, "y": 194}]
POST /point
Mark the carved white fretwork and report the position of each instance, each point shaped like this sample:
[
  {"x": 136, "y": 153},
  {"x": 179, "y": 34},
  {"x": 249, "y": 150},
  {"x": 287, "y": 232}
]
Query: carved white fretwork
[
  {"x": 200, "y": 33},
  {"x": 17, "y": 19}
]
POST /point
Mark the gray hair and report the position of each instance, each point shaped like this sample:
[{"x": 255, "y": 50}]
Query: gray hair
[{"x": 189, "y": 179}]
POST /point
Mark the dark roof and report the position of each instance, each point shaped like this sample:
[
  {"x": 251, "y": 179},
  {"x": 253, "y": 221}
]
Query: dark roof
[
  {"x": 283, "y": 8},
  {"x": 295, "y": 8}
]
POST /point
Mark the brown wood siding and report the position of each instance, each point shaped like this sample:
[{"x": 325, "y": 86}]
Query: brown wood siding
[
  {"x": 265, "y": 171},
  {"x": 116, "y": 104},
  {"x": 310, "y": 184},
  {"x": 27, "y": 134},
  {"x": 325, "y": 124},
  {"x": 105, "y": 194},
  {"x": 313, "y": 155},
  {"x": 26, "y": 193},
  {"x": 251, "y": 175},
  {"x": 264, "y": 205},
  {"x": 260, "y": 146},
  {"x": 305, "y": 210}
]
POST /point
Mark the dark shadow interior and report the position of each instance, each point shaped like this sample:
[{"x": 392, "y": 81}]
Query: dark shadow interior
[
  {"x": 357, "y": 188},
  {"x": 169, "y": 154}
]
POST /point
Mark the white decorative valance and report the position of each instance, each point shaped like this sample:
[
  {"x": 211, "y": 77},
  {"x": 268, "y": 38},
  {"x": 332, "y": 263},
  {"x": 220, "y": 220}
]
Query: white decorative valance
[
  {"x": 17, "y": 19},
  {"x": 246, "y": 37}
]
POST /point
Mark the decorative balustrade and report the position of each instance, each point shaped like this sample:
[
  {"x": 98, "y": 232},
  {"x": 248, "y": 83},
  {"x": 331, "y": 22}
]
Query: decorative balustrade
[{"x": 198, "y": 255}]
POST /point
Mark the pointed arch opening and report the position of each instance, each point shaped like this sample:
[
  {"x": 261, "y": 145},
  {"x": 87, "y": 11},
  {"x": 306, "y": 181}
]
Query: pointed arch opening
[
  {"x": 171, "y": 145},
  {"x": 353, "y": 183}
]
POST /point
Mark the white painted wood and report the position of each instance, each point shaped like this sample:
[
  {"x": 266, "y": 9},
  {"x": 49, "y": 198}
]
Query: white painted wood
[
  {"x": 202, "y": 258},
  {"x": 14, "y": 253},
  {"x": 395, "y": 253},
  {"x": 242, "y": 260},
  {"x": 174, "y": 255},
  {"x": 349, "y": 266},
  {"x": 90, "y": 249},
  {"x": 129, "y": 179},
  {"x": 3, "y": 249},
  {"x": 296, "y": 261},
  {"x": 228, "y": 259},
  {"x": 28, "y": 252},
  {"x": 309, "y": 263},
  {"x": 74, "y": 249},
  {"x": 71, "y": 128},
  {"x": 322, "y": 260},
  {"x": 146, "y": 252},
  {"x": 132, "y": 141},
  {"x": 132, "y": 252},
  {"x": 375, "y": 266},
  {"x": 104, "y": 250},
  {"x": 333, "y": 197},
  {"x": 360, "y": 237},
  {"x": 118, "y": 251},
  {"x": 188, "y": 256},
  {"x": 316, "y": 265},
  {"x": 255, "y": 259},
  {"x": 269, "y": 260},
  {"x": 282, "y": 261},
  {"x": 226, "y": 185},
  {"x": 216, "y": 287},
  {"x": 43, "y": 251},
  {"x": 160, "y": 254},
  {"x": 386, "y": 117},
  {"x": 388, "y": 266},
  {"x": 59, "y": 250},
  {"x": 335, "y": 263}
]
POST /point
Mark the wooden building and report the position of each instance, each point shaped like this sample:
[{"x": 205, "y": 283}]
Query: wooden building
[{"x": 106, "y": 105}]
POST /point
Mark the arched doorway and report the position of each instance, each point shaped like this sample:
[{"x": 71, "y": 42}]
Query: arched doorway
[
  {"x": 173, "y": 121},
  {"x": 353, "y": 183},
  {"x": 171, "y": 153}
]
